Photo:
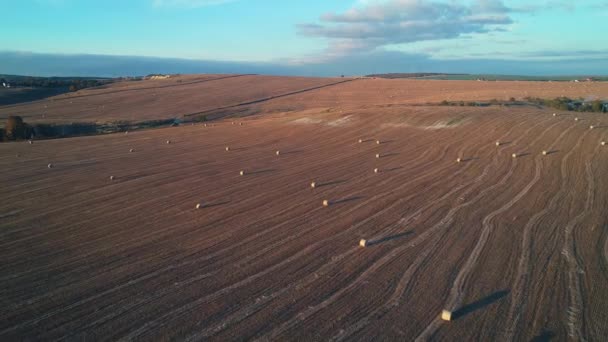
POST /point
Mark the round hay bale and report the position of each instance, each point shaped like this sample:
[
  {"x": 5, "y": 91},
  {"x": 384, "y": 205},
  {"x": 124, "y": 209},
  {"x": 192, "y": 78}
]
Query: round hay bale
[
  {"x": 498, "y": 143},
  {"x": 360, "y": 141},
  {"x": 514, "y": 155},
  {"x": 50, "y": 166},
  {"x": 377, "y": 142},
  {"x": 240, "y": 124},
  {"x": 325, "y": 203},
  {"x": 111, "y": 177},
  {"x": 30, "y": 142},
  {"x": 242, "y": 172},
  {"x": 363, "y": 243},
  {"x": 278, "y": 152},
  {"x": 232, "y": 123},
  {"x": 168, "y": 142},
  {"x": 603, "y": 143},
  {"x": 198, "y": 206},
  {"x": 591, "y": 127},
  {"x": 204, "y": 125},
  {"x": 458, "y": 160},
  {"x": 377, "y": 155},
  {"x": 575, "y": 119},
  {"x": 313, "y": 184},
  {"x": 554, "y": 114},
  {"x": 227, "y": 148},
  {"x": 132, "y": 150},
  {"x": 545, "y": 153},
  {"x": 376, "y": 170},
  {"x": 126, "y": 132}
]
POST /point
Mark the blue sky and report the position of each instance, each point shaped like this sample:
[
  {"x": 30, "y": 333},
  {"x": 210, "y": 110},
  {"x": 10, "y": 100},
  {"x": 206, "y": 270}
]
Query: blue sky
[{"x": 312, "y": 36}]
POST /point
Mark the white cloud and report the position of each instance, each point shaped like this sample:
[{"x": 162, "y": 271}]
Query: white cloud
[{"x": 373, "y": 24}]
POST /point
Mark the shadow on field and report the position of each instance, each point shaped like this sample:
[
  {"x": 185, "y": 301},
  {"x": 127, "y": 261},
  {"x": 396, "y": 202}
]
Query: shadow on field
[
  {"x": 552, "y": 152},
  {"x": 261, "y": 171},
  {"x": 389, "y": 154},
  {"x": 346, "y": 200},
  {"x": 389, "y": 238},
  {"x": 393, "y": 169},
  {"x": 292, "y": 152},
  {"x": 464, "y": 160},
  {"x": 332, "y": 183},
  {"x": 480, "y": 304},
  {"x": 544, "y": 336},
  {"x": 519, "y": 155},
  {"x": 216, "y": 204}
]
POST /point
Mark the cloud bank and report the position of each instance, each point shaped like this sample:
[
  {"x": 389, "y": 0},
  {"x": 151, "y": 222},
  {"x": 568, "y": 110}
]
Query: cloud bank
[
  {"x": 37, "y": 64},
  {"x": 375, "y": 24}
]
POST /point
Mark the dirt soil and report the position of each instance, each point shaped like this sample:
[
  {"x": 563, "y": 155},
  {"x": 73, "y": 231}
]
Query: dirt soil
[{"x": 516, "y": 248}]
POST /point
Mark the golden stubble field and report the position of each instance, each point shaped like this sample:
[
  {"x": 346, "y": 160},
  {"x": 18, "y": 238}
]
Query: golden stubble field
[{"x": 515, "y": 248}]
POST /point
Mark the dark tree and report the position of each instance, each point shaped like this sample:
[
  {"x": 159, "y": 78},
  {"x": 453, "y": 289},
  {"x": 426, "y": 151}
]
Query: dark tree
[{"x": 15, "y": 128}]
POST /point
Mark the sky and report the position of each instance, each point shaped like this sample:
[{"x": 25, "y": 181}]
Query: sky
[{"x": 305, "y": 37}]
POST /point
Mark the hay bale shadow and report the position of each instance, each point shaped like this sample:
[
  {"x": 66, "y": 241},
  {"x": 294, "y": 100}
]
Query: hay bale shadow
[
  {"x": 479, "y": 304},
  {"x": 389, "y": 154},
  {"x": 258, "y": 172},
  {"x": 336, "y": 182},
  {"x": 396, "y": 168},
  {"x": 552, "y": 152},
  {"x": 215, "y": 204},
  {"x": 346, "y": 200},
  {"x": 292, "y": 152}
]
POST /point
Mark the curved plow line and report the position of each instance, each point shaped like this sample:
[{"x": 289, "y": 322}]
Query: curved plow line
[
  {"x": 575, "y": 307},
  {"x": 518, "y": 301},
  {"x": 239, "y": 316},
  {"x": 145, "y": 276},
  {"x": 144, "y": 204},
  {"x": 404, "y": 281},
  {"x": 289, "y": 260},
  {"x": 388, "y": 257},
  {"x": 251, "y": 278},
  {"x": 185, "y": 263},
  {"x": 113, "y": 290},
  {"x": 457, "y": 290}
]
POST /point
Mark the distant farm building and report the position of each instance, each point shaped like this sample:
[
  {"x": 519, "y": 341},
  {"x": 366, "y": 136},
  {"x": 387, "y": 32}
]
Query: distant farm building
[{"x": 157, "y": 77}]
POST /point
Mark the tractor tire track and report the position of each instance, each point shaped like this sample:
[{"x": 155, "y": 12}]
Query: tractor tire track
[
  {"x": 519, "y": 292},
  {"x": 575, "y": 315},
  {"x": 388, "y": 257},
  {"x": 457, "y": 290}
]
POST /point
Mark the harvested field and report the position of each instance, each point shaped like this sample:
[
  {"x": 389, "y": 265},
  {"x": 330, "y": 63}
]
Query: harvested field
[
  {"x": 241, "y": 95},
  {"x": 514, "y": 248},
  {"x": 159, "y": 99}
]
